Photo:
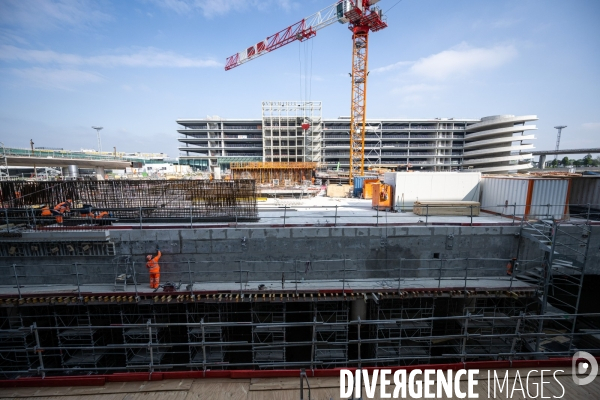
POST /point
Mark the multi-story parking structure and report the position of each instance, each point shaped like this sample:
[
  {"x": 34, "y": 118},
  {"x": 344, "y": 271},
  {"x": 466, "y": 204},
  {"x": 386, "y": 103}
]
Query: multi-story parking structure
[
  {"x": 497, "y": 144},
  {"x": 210, "y": 143}
]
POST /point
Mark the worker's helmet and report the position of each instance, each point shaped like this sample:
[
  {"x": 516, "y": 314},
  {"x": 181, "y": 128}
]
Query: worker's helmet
[{"x": 148, "y": 257}]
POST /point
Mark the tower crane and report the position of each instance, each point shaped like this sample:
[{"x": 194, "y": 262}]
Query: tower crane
[{"x": 361, "y": 17}]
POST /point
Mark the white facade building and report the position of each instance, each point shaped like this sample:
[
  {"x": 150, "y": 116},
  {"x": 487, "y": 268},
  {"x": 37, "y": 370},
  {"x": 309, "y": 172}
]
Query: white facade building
[{"x": 497, "y": 144}]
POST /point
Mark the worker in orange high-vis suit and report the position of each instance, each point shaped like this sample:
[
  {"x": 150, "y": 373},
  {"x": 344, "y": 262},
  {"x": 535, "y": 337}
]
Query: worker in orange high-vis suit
[
  {"x": 60, "y": 209},
  {"x": 154, "y": 269}
]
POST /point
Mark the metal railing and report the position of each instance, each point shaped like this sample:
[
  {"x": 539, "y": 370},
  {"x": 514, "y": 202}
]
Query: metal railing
[
  {"x": 285, "y": 213},
  {"x": 296, "y": 275}
]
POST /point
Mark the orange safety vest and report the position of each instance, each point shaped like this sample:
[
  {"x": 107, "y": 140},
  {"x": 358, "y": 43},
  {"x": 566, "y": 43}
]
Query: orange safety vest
[
  {"x": 63, "y": 207},
  {"x": 152, "y": 265}
]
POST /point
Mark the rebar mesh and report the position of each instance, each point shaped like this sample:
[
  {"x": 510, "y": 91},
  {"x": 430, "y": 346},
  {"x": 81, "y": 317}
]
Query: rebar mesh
[{"x": 200, "y": 199}]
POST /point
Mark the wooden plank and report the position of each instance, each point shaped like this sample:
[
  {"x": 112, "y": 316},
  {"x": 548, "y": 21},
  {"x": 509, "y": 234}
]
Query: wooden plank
[
  {"x": 109, "y": 388},
  {"x": 162, "y": 395},
  {"x": 112, "y": 396},
  {"x": 234, "y": 389},
  {"x": 291, "y": 383},
  {"x": 446, "y": 208}
]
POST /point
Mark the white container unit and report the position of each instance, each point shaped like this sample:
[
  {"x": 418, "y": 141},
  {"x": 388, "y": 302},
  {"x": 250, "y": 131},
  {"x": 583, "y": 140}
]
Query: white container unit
[
  {"x": 526, "y": 197},
  {"x": 409, "y": 187}
]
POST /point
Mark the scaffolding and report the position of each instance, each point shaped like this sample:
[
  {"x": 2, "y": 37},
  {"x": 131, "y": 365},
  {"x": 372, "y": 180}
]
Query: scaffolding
[
  {"x": 143, "y": 339},
  {"x": 492, "y": 327},
  {"x": 14, "y": 340},
  {"x": 330, "y": 334},
  {"x": 407, "y": 342},
  {"x": 207, "y": 339},
  {"x": 407, "y": 312},
  {"x": 81, "y": 345},
  {"x": 268, "y": 334},
  {"x": 292, "y": 131},
  {"x": 558, "y": 275}
]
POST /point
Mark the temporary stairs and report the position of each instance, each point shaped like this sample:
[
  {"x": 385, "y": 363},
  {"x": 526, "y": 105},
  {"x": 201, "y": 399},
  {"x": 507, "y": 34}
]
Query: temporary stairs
[{"x": 559, "y": 275}]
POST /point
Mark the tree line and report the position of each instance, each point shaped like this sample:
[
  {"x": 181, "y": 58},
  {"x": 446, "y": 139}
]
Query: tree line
[{"x": 587, "y": 161}]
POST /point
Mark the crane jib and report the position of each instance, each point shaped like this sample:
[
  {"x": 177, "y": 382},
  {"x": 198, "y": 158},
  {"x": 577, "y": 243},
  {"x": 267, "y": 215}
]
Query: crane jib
[{"x": 361, "y": 17}]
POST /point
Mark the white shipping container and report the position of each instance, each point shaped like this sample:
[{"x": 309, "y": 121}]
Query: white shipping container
[
  {"x": 409, "y": 187},
  {"x": 534, "y": 197}
]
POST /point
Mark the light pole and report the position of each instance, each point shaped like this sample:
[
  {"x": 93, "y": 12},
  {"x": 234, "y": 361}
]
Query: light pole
[
  {"x": 5, "y": 161},
  {"x": 560, "y": 128},
  {"x": 98, "y": 129},
  {"x": 33, "y": 155}
]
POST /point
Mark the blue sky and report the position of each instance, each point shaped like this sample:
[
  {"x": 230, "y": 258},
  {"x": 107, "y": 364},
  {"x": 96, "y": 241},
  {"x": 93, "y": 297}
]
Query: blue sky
[{"x": 136, "y": 66}]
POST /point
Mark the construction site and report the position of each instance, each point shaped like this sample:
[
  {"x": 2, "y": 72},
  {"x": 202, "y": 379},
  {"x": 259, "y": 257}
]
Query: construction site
[
  {"x": 286, "y": 266},
  {"x": 253, "y": 287}
]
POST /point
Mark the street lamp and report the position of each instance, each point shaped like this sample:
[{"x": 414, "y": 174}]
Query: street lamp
[
  {"x": 98, "y": 129},
  {"x": 5, "y": 161},
  {"x": 560, "y": 128}
]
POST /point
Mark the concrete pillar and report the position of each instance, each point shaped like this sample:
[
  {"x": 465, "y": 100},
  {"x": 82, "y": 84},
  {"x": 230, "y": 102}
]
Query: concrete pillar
[
  {"x": 542, "y": 162},
  {"x": 100, "y": 173},
  {"x": 358, "y": 308},
  {"x": 72, "y": 171}
]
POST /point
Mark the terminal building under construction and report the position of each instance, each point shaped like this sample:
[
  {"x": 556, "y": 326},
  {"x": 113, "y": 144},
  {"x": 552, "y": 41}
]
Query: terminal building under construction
[{"x": 240, "y": 291}]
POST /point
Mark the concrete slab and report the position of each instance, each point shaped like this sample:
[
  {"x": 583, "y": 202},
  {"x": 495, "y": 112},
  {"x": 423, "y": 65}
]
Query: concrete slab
[{"x": 308, "y": 284}]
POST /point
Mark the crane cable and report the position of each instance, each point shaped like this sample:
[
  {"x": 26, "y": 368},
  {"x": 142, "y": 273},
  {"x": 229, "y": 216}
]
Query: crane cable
[
  {"x": 306, "y": 73},
  {"x": 398, "y": 2}
]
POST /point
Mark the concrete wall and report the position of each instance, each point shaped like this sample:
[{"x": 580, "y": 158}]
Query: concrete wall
[{"x": 266, "y": 253}]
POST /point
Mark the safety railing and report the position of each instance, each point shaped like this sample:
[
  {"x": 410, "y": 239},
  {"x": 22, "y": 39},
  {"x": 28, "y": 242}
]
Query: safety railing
[
  {"x": 59, "y": 154},
  {"x": 291, "y": 213},
  {"x": 243, "y": 276}
]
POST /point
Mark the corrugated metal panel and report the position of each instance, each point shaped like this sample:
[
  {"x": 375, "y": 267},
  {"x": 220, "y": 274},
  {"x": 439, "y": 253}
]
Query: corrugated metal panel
[
  {"x": 585, "y": 190},
  {"x": 433, "y": 186},
  {"x": 499, "y": 195},
  {"x": 549, "y": 198}
]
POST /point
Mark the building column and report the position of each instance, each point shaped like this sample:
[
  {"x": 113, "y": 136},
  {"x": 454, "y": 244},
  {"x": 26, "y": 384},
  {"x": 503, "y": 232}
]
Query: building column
[
  {"x": 100, "y": 173},
  {"x": 542, "y": 162},
  {"x": 72, "y": 171}
]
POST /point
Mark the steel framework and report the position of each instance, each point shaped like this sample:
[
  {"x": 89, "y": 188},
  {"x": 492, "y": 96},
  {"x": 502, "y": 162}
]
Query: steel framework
[
  {"x": 430, "y": 320},
  {"x": 126, "y": 199}
]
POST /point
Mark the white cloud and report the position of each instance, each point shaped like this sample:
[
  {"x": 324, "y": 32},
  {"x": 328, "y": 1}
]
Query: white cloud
[
  {"x": 47, "y": 14},
  {"x": 462, "y": 60},
  {"x": 149, "y": 57},
  {"x": 591, "y": 126},
  {"x": 392, "y": 67},
  {"x": 417, "y": 93},
  {"x": 506, "y": 22},
  {"x": 211, "y": 8},
  {"x": 65, "y": 79},
  {"x": 7, "y": 36}
]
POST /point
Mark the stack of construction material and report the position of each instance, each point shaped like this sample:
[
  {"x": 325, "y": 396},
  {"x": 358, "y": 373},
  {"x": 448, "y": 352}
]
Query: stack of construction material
[
  {"x": 339, "y": 190},
  {"x": 467, "y": 208}
]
